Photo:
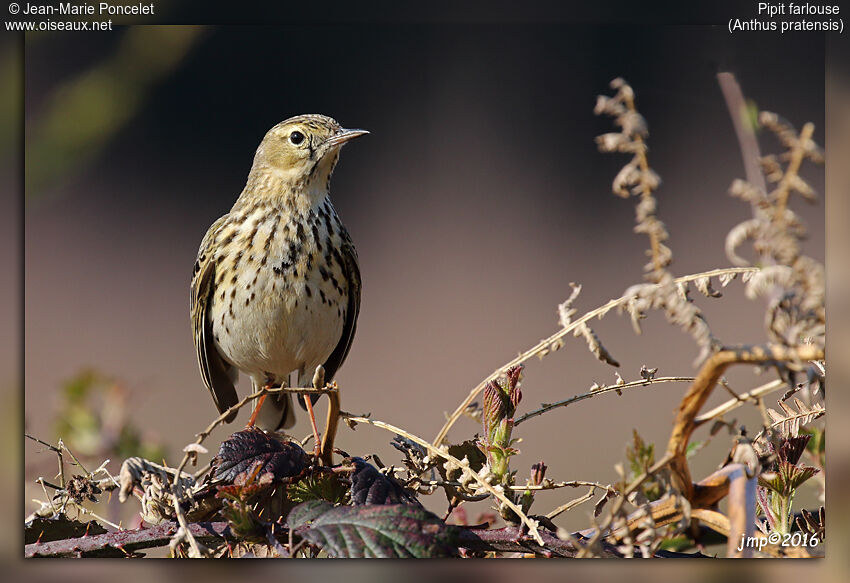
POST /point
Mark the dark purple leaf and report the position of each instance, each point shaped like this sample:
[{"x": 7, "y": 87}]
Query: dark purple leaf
[
  {"x": 369, "y": 486},
  {"x": 494, "y": 409},
  {"x": 792, "y": 448},
  {"x": 244, "y": 449}
]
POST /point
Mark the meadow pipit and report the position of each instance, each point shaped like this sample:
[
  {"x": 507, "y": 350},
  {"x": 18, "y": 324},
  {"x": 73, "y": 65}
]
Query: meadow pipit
[{"x": 276, "y": 286}]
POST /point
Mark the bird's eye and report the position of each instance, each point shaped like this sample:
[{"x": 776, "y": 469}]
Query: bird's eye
[{"x": 296, "y": 138}]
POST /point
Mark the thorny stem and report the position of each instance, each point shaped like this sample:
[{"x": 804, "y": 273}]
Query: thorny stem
[
  {"x": 126, "y": 540},
  {"x": 545, "y": 343},
  {"x": 607, "y": 389},
  {"x": 550, "y": 486},
  {"x": 507, "y": 539}
]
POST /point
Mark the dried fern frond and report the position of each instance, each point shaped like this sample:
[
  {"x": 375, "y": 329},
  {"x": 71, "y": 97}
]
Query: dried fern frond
[
  {"x": 789, "y": 421},
  {"x": 636, "y": 177},
  {"x": 594, "y": 345},
  {"x": 792, "y": 282}
]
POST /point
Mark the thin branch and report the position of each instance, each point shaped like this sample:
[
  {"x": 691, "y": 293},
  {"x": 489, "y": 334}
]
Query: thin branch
[
  {"x": 545, "y": 343},
  {"x": 731, "y": 404},
  {"x": 65, "y": 449},
  {"x": 606, "y": 389},
  {"x": 58, "y": 453},
  {"x": 572, "y": 504},
  {"x": 545, "y": 486}
]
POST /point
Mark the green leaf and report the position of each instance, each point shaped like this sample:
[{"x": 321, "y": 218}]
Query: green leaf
[
  {"x": 324, "y": 486},
  {"x": 306, "y": 512},
  {"x": 386, "y": 531},
  {"x": 787, "y": 478}
]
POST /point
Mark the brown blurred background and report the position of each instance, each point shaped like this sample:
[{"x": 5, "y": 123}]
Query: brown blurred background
[{"x": 477, "y": 199}]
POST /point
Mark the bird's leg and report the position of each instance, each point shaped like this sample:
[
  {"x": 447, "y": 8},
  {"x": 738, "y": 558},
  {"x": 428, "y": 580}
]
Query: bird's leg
[
  {"x": 266, "y": 386},
  {"x": 318, "y": 444},
  {"x": 327, "y": 449}
]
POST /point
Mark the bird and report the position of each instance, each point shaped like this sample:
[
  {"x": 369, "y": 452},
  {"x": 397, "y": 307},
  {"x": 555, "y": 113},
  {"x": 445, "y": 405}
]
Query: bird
[{"x": 276, "y": 284}]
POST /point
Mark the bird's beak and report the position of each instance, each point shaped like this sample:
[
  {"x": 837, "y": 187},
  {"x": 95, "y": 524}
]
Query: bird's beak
[{"x": 343, "y": 136}]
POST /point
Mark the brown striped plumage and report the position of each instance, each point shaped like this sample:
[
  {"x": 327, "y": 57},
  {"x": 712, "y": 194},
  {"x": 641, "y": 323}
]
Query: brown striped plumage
[{"x": 276, "y": 286}]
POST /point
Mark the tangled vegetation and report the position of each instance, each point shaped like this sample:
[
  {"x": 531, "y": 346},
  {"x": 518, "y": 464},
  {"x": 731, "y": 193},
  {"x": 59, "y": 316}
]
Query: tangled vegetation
[{"x": 264, "y": 495}]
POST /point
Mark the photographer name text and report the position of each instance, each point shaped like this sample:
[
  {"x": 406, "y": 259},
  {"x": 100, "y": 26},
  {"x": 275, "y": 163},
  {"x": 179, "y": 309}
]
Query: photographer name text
[{"x": 99, "y": 9}]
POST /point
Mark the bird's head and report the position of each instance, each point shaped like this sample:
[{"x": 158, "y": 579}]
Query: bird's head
[{"x": 301, "y": 152}]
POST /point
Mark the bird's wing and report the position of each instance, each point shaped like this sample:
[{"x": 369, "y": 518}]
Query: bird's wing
[
  {"x": 352, "y": 276},
  {"x": 218, "y": 375}
]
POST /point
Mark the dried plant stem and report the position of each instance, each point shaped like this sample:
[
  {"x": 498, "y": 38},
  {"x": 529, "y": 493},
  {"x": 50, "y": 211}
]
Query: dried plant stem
[
  {"x": 58, "y": 453},
  {"x": 747, "y": 141},
  {"x": 83, "y": 510},
  {"x": 701, "y": 388},
  {"x": 600, "y": 391},
  {"x": 547, "y": 486},
  {"x": 545, "y": 343},
  {"x": 572, "y": 504},
  {"x": 731, "y": 404},
  {"x": 435, "y": 451}
]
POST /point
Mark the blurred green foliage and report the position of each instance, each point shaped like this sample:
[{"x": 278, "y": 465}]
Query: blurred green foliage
[
  {"x": 641, "y": 457},
  {"x": 81, "y": 115},
  {"x": 94, "y": 420}
]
